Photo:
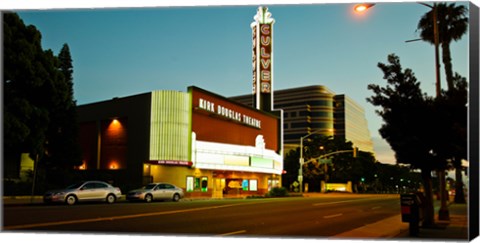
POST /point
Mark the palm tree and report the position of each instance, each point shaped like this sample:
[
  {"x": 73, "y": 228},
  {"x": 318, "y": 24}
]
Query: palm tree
[{"x": 452, "y": 25}]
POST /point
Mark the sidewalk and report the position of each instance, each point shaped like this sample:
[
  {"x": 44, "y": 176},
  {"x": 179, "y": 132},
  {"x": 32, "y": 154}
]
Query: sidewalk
[{"x": 455, "y": 229}]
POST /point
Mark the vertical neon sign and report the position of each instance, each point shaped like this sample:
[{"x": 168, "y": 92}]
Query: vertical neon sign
[
  {"x": 262, "y": 59},
  {"x": 265, "y": 58}
]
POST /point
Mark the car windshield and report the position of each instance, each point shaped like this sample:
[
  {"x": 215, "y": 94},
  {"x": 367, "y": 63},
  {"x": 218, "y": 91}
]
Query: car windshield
[
  {"x": 76, "y": 185},
  {"x": 150, "y": 186}
]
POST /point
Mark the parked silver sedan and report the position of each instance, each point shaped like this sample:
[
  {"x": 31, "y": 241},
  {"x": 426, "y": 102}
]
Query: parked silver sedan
[
  {"x": 156, "y": 191},
  {"x": 84, "y": 191}
]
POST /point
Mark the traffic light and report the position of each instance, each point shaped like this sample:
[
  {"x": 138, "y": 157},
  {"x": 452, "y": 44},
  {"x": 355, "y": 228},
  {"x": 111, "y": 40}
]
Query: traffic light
[{"x": 355, "y": 150}]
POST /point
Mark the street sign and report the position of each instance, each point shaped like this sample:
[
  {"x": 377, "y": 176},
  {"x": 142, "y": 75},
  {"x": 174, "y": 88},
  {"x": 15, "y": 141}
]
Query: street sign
[{"x": 300, "y": 178}]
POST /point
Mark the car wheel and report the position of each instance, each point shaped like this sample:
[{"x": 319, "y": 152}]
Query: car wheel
[
  {"x": 148, "y": 198},
  {"x": 176, "y": 197},
  {"x": 111, "y": 198},
  {"x": 71, "y": 199}
]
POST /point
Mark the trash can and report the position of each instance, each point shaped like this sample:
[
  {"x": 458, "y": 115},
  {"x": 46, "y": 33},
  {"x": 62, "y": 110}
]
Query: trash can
[{"x": 412, "y": 213}]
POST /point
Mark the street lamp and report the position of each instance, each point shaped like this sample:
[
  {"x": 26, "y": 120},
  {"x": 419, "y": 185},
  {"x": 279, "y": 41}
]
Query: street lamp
[
  {"x": 363, "y": 6},
  {"x": 301, "y": 161},
  {"x": 436, "y": 37}
]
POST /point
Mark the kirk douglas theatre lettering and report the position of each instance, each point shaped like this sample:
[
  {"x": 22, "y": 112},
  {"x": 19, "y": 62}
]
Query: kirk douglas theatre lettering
[{"x": 228, "y": 113}]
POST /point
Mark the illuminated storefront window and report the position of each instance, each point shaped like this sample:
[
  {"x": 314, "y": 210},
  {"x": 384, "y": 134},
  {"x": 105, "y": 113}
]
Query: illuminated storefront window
[
  {"x": 189, "y": 184},
  {"x": 253, "y": 185},
  {"x": 245, "y": 185},
  {"x": 197, "y": 184},
  {"x": 272, "y": 183}
]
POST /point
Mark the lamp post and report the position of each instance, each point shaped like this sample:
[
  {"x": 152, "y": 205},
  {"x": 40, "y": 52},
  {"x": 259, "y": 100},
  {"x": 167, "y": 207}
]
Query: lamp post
[
  {"x": 436, "y": 37},
  {"x": 443, "y": 213},
  {"x": 301, "y": 160}
]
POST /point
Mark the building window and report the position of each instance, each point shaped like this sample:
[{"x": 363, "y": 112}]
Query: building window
[
  {"x": 197, "y": 184},
  {"x": 245, "y": 185},
  {"x": 249, "y": 185},
  {"x": 204, "y": 184},
  {"x": 189, "y": 183},
  {"x": 272, "y": 183},
  {"x": 300, "y": 124},
  {"x": 253, "y": 185}
]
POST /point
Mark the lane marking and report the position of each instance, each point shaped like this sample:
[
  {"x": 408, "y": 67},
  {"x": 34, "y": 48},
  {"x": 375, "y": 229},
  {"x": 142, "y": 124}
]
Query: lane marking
[
  {"x": 337, "y": 202},
  {"x": 233, "y": 233},
  {"x": 79, "y": 221},
  {"x": 333, "y": 216},
  {"x": 377, "y": 207}
]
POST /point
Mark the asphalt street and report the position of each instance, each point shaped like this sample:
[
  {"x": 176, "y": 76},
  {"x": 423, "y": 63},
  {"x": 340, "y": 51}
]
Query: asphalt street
[{"x": 282, "y": 217}]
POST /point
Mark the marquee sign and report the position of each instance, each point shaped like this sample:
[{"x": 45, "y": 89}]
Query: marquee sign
[
  {"x": 170, "y": 162},
  {"x": 229, "y": 113}
]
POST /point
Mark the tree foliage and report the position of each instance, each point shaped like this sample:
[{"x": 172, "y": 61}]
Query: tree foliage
[
  {"x": 409, "y": 123},
  {"x": 39, "y": 109},
  {"x": 452, "y": 25},
  {"x": 406, "y": 113},
  {"x": 343, "y": 168}
]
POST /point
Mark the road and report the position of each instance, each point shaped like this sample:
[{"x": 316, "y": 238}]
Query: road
[{"x": 274, "y": 217}]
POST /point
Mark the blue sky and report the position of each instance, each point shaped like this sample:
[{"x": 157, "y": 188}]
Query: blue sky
[{"x": 119, "y": 52}]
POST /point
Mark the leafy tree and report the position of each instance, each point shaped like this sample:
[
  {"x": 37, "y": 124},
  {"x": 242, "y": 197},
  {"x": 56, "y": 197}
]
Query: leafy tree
[
  {"x": 62, "y": 144},
  {"x": 452, "y": 25},
  {"x": 451, "y": 115},
  {"x": 25, "y": 76},
  {"x": 407, "y": 114},
  {"x": 343, "y": 168},
  {"x": 39, "y": 107}
]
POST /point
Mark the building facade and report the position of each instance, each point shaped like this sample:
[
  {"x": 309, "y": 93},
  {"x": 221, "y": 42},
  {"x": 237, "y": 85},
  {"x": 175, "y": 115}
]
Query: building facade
[
  {"x": 317, "y": 109},
  {"x": 350, "y": 123},
  {"x": 200, "y": 141}
]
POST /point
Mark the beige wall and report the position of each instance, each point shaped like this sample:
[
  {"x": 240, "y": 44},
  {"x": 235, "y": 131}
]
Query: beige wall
[{"x": 177, "y": 175}]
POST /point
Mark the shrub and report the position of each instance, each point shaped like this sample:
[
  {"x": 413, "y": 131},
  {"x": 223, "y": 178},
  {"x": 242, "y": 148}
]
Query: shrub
[{"x": 277, "y": 192}]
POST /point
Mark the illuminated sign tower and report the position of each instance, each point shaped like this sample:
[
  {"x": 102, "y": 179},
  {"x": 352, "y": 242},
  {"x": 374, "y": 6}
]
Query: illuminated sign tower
[{"x": 262, "y": 57}]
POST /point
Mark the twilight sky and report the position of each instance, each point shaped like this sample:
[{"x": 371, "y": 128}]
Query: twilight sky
[{"x": 121, "y": 51}]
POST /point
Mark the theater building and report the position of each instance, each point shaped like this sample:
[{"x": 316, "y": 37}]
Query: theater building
[{"x": 200, "y": 141}]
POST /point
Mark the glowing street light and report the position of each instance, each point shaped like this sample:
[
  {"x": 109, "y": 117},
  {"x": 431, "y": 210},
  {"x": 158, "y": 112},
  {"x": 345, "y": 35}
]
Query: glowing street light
[{"x": 363, "y": 6}]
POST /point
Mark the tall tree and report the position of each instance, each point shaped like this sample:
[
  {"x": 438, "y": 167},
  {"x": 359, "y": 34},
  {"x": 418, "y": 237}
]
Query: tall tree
[
  {"x": 25, "y": 76},
  {"x": 452, "y": 25},
  {"x": 39, "y": 107},
  {"x": 62, "y": 147},
  {"x": 451, "y": 116},
  {"x": 407, "y": 116}
]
